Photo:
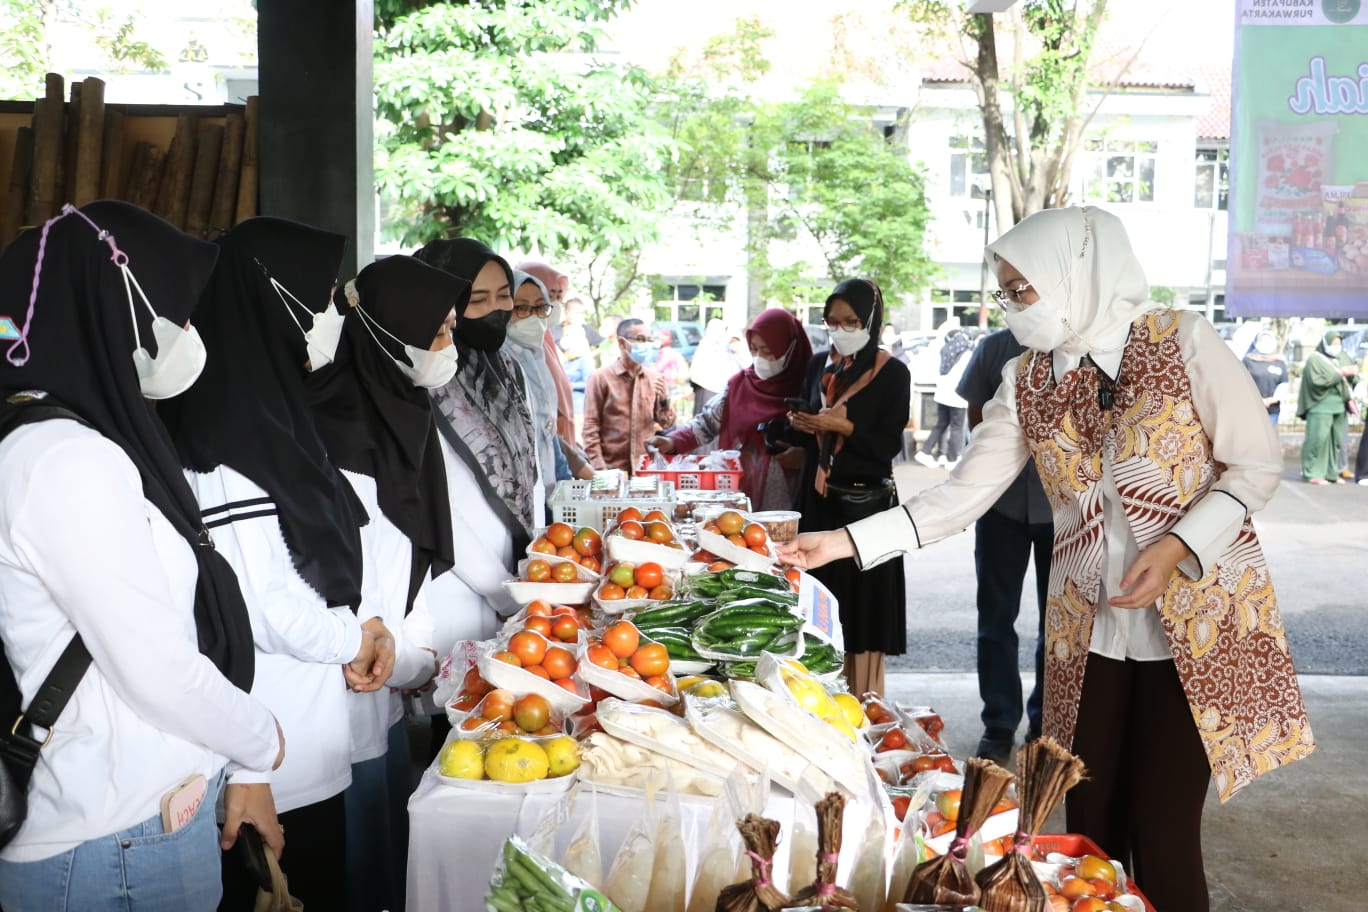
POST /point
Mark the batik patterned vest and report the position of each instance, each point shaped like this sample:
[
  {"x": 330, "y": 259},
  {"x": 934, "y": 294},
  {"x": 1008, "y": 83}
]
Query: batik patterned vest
[{"x": 1224, "y": 630}]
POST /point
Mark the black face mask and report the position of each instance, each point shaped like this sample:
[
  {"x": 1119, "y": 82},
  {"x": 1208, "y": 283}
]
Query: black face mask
[{"x": 485, "y": 333}]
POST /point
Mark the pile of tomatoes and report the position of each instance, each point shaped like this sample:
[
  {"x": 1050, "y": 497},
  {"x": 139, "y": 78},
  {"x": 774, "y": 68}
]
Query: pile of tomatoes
[
  {"x": 502, "y": 713},
  {"x": 622, "y": 650},
  {"x": 635, "y": 581},
  {"x": 732, "y": 526},
  {"x": 584, "y": 547},
  {"x": 534, "y": 653}
]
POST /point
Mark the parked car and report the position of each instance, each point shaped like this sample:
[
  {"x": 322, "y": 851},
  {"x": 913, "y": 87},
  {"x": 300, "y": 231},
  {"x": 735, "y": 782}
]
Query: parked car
[{"x": 684, "y": 335}]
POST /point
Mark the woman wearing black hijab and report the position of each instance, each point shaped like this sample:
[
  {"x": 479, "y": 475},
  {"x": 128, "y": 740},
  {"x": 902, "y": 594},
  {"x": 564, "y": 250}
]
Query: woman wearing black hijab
[
  {"x": 100, "y": 535},
  {"x": 287, "y": 521},
  {"x": 485, "y": 425},
  {"x": 861, "y": 398},
  {"x": 372, "y": 412}
]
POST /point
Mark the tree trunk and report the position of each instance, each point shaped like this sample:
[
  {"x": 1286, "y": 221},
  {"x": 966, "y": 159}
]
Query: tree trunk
[{"x": 985, "y": 70}]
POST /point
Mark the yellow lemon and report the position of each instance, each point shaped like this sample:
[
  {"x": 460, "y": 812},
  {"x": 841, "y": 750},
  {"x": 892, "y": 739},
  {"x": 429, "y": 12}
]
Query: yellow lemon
[
  {"x": 689, "y": 681},
  {"x": 851, "y": 709},
  {"x": 809, "y": 695},
  {"x": 516, "y": 760},
  {"x": 838, "y": 722},
  {"x": 707, "y": 688},
  {"x": 461, "y": 759},
  {"x": 563, "y": 755}
]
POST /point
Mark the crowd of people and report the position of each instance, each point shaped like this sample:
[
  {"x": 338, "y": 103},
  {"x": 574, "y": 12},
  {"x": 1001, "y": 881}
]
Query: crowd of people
[{"x": 246, "y": 507}]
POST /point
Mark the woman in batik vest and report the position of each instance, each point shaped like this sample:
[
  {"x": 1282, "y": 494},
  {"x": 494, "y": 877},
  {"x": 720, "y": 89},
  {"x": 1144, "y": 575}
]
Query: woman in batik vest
[{"x": 1166, "y": 661}]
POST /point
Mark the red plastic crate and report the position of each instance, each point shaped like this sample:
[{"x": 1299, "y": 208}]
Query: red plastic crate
[
  {"x": 728, "y": 479},
  {"x": 1075, "y": 845}
]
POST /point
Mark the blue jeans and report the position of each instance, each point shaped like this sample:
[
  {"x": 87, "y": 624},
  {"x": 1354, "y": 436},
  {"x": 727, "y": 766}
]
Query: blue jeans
[
  {"x": 140, "y": 869},
  {"x": 1002, "y": 547}
]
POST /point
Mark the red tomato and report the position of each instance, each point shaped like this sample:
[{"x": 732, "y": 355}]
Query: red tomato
[
  {"x": 542, "y": 546},
  {"x": 507, "y": 657},
  {"x": 900, "y": 803},
  {"x": 560, "y": 534},
  {"x": 661, "y": 593},
  {"x": 566, "y": 629},
  {"x": 559, "y": 663},
  {"x": 588, "y": 542},
  {"x": 538, "y": 671},
  {"x": 651, "y": 659},
  {"x": 893, "y": 739},
  {"x": 528, "y": 647},
  {"x": 567, "y": 684},
  {"x": 755, "y": 535},
  {"x": 656, "y": 516},
  {"x": 638, "y": 592},
  {"x": 631, "y": 513},
  {"x": 622, "y": 638},
  {"x": 600, "y": 655},
  {"x": 538, "y": 608},
  {"x": 632, "y": 529},
  {"x": 565, "y": 572},
  {"x": 538, "y": 571},
  {"x": 609, "y": 592},
  {"x": 649, "y": 575},
  {"x": 541, "y": 625}
]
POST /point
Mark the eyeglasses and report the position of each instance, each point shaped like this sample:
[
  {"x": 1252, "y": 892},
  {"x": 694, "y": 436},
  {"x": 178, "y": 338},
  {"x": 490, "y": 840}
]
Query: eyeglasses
[
  {"x": 638, "y": 339},
  {"x": 1010, "y": 298},
  {"x": 523, "y": 311},
  {"x": 850, "y": 325}
]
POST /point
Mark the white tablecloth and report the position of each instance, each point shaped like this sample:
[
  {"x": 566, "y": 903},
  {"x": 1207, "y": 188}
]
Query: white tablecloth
[{"x": 455, "y": 835}]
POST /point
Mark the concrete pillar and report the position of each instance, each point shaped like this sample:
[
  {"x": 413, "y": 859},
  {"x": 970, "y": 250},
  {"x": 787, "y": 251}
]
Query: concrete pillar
[{"x": 316, "y": 137}]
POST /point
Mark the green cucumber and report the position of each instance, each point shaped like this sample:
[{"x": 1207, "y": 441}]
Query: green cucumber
[
  {"x": 672, "y": 612},
  {"x": 751, "y": 592},
  {"x": 755, "y": 578}
]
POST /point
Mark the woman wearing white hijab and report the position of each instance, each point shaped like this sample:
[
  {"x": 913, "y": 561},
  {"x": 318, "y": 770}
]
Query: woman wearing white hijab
[
  {"x": 526, "y": 330},
  {"x": 1166, "y": 660}
]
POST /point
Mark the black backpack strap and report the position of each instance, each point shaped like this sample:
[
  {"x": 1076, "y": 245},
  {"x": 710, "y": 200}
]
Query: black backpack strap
[{"x": 18, "y": 747}]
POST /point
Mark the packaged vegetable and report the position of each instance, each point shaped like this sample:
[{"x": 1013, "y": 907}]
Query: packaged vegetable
[
  {"x": 629, "y": 878},
  {"x": 669, "y": 873},
  {"x": 524, "y": 879},
  {"x": 758, "y": 893},
  {"x": 583, "y": 857}
]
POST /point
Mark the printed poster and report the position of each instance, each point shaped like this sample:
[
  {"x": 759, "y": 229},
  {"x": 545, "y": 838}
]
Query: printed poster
[{"x": 1298, "y": 160}]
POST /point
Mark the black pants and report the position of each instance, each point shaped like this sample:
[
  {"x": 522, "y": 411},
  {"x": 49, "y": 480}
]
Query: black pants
[
  {"x": 948, "y": 434},
  {"x": 314, "y": 861},
  {"x": 1147, "y": 779},
  {"x": 1361, "y": 462},
  {"x": 1002, "y": 548}
]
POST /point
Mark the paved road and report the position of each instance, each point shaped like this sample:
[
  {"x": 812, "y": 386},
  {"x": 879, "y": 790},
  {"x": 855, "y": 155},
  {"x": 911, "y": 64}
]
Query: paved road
[{"x": 1316, "y": 540}]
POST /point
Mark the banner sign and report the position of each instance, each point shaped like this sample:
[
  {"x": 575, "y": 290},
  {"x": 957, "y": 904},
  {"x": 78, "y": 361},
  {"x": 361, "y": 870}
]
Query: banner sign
[{"x": 1298, "y": 168}]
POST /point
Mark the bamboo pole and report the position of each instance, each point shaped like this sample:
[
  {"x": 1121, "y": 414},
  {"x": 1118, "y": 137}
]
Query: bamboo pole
[
  {"x": 67, "y": 182},
  {"x": 209, "y": 146},
  {"x": 89, "y": 142},
  {"x": 173, "y": 197},
  {"x": 230, "y": 163},
  {"x": 15, "y": 192},
  {"x": 247, "y": 181},
  {"x": 112, "y": 168},
  {"x": 47, "y": 152},
  {"x": 145, "y": 177}
]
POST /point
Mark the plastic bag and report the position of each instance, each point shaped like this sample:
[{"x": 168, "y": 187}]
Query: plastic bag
[
  {"x": 583, "y": 857},
  {"x": 542, "y": 839},
  {"x": 629, "y": 878},
  {"x": 869, "y": 880},
  {"x": 669, "y": 873},
  {"x": 802, "y": 847},
  {"x": 524, "y": 879}
]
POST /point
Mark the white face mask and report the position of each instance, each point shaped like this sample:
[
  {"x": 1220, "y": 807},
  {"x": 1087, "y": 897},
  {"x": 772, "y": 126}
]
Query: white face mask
[
  {"x": 1334, "y": 350},
  {"x": 528, "y": 332},
  {"x": 765, "y": 368},
  {"x": 1040, "y": 326},
  {"x": 1265, "y": 346},
  {"x": 849, "y": 341},
  {"x": 180, "y": 352},
  {"x": 322, "y": 339},
  {"x": 426, "y": 369}
]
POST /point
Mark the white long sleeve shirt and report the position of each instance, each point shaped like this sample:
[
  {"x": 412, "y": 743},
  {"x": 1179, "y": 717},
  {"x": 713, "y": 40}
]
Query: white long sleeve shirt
[
  {"x": 82, "y": 550},
  {"x": 301, "y": 643},
  {"x": 1242, "y": 439},
  {"x": 387, "y": 557}
]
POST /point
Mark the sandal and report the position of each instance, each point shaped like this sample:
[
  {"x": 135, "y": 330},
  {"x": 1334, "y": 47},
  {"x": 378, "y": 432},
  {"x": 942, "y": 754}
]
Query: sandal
[{"x": 1317, "y": 481}]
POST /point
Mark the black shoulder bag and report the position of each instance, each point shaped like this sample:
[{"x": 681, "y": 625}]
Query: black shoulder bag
[{"x": 19, "y": 748}]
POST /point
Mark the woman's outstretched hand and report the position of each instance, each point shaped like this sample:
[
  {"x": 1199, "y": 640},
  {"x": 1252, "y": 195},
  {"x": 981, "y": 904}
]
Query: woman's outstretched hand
[{"x": 813, "y": 549}]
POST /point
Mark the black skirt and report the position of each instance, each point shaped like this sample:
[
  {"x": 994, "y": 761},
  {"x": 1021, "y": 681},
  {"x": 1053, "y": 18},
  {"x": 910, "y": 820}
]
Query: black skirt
[{"x": 873, "y": 603}]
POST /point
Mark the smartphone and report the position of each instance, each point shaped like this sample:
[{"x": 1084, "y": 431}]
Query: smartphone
[
  {"x": 251, "y": 852},
  {"x": 801, "y": 405}
]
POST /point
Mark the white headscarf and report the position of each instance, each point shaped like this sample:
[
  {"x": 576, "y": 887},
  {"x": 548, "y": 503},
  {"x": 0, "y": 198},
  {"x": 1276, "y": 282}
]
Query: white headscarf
[
  {"x": 713, "y": 364},
  {"x": 1080, "y": 260},
  {"x": 541, "y": 389}
]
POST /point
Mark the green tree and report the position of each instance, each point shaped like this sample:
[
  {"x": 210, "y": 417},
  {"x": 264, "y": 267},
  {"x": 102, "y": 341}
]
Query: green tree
[
  {"x": 26, "y": 42},
  {"x": 1051, "y": 43},
  {"x": 814, "y": 168},
  {"x": 497, "y": 122}
]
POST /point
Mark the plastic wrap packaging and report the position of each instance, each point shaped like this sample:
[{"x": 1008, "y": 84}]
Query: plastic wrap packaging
[
  {"x": 802, "y": 846},
  {"x": 717, "y": 863},
  {"x": 669, "y": 874},
  {"x": 869, "y": 880},
  {"x": 629, "y": 878},
  {"x": 524, "y": 879},
  {"x": 757, "y": 893},
  {"x": 612, "y": 762},
  {"x": 583, "y": 857},
  {"x": 542, "y": 839}
]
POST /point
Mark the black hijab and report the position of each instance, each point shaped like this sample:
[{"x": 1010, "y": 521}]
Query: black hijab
[
  {"x": 371, "y": 417},
  {"x": 81, "y": 344},
  {"x": 866, "y": 300},
  {"x": 248, "y": 409},
  {"x": 483, "y": 412}
]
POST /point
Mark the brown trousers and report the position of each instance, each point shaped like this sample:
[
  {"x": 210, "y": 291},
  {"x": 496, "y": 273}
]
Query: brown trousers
[{"x": 1147, "y": 779}]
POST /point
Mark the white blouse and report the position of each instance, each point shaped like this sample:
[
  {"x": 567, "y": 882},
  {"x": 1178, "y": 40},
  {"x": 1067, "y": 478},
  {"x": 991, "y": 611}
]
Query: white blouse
[
  {"x": 1233, "y": 416},
  {"x": 387, "y": 558},
  {"x": 81, "y": 549},
  {"x": 301, "y": 643}
]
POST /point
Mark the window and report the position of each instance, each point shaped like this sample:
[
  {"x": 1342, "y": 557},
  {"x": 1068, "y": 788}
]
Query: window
[
  {"x": 1212, "y": 178},
  {"x": 1122, "y": 170},
  {"x": 967, "y": 158},
  {"x": 690, "y": 292}
]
